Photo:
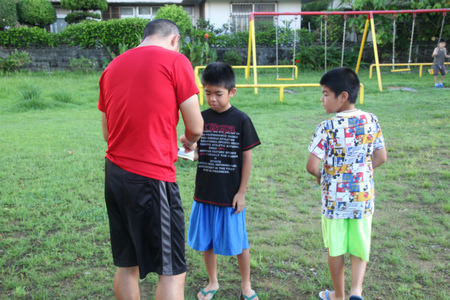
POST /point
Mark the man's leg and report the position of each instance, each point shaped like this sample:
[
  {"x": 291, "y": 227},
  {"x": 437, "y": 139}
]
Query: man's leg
[
  {"x": 170, "y": 287},
  {"x": 211, "y": 267},
  {"x": 126, "y": 283},
  {"x": 358, "y": 272},
  {"x": 337, "y": 266}
]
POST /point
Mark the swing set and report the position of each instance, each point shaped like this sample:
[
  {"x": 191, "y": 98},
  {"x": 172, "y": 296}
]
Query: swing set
[{"x": 251, "y": 58}]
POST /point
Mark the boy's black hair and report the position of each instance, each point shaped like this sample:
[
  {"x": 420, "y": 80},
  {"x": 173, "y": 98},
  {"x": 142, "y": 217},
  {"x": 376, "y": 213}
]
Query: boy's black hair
[
  {"x": 219, "y": 74},
  {"x": 161, "y": 27},
  {"x": 340, "y": 80},
  {"x": 442, "y": 41}
]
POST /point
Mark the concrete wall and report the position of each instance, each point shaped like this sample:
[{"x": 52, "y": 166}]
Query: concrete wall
[{"x": 53, "y": 59}]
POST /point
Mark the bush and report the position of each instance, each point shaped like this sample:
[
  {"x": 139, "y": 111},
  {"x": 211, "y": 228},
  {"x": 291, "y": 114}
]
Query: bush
[
  {"x": 77, "y": 17},
  {"x": 233, "y": 58},
  {"x": 177, "y": 15},
  {"x": 81, "y": 9},
  {"x": 199, "y": 52},
  {"x": 15, "y": 61},
  {"x": 83, "y": 64},
  {"x": 8, "y": 13},
  {"x": 25, "y": 37},
  {"x": 36, "y": 12},
  {"x": 89, "y": 34}
]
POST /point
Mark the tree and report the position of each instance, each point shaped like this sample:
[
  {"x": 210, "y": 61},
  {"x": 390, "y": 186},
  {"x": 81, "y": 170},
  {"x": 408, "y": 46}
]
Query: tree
[
  {"x": 177, "y": 15},
  {"x": 83, "y": 9},
  {"x": 36, "y": 12},
  {"x": 8, "y": 13}
]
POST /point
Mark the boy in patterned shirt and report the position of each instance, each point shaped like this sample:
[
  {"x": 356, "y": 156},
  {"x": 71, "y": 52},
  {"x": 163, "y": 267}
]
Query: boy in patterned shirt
[{"x": 350, "y": 145}]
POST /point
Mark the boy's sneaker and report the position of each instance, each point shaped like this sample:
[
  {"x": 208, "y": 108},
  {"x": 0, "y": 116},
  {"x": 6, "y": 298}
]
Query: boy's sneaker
[
  {"x": 436, "y": 86},
  {"x": 441, "y": 85}
]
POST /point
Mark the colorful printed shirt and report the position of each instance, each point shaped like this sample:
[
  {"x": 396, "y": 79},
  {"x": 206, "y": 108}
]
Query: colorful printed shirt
[{"x": 346, "y": 143}]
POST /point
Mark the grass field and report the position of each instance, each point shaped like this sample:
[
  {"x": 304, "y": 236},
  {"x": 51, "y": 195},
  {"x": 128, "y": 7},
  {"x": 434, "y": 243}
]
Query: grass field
[{"x": 54, "y": 238}]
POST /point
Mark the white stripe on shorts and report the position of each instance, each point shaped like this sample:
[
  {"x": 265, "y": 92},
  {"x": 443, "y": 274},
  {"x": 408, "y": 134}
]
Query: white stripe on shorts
[{"x": 166, "y": 237}]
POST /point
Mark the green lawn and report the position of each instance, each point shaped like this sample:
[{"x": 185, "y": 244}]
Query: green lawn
[{"x": 54, "y": 238}]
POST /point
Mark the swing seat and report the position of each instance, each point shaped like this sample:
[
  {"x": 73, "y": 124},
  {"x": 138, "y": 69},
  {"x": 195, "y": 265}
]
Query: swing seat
[
  {"x": 401, "y": 70},
  {"x": 285, "y": 78}
]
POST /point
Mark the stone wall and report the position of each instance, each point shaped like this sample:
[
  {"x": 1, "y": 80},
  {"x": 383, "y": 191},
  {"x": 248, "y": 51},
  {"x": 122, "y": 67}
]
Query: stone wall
[{"x": 53, "y": 59}]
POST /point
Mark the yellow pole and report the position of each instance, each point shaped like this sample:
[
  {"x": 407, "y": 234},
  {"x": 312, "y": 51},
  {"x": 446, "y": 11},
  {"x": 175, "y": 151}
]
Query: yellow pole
[
  {"x": 255, "y": 72},
  {"x": 363, "y": 42},
  {"x": 375, "y": 52},
  {"x": 281, "y": 94},
  {"x": 249, "y": 53},
  {"x": 361, "y": 93}
]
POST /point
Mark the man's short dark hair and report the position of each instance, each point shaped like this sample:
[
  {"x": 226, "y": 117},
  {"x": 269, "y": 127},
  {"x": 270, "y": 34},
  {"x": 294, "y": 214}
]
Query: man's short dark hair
[
  {"x": 219, "y": 74},
  {"x": 340, "y": 80},
  {"x": 442, "y": 41},
  {"x": 161, "y": 27}
]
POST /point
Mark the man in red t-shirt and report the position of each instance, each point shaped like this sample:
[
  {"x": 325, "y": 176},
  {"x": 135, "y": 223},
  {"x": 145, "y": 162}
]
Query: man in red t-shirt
[{"x": 141, "y": 92}]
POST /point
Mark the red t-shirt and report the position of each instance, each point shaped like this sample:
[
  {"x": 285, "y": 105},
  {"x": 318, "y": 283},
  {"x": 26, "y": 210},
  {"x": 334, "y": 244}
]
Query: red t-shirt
[{"x": 140, "y": 93}]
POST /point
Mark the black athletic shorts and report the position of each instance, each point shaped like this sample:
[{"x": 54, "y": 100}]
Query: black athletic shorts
[{"x": 146, "y": 222}]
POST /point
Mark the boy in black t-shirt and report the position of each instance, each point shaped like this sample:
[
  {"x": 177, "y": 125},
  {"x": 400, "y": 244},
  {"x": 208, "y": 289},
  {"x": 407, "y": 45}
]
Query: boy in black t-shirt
[{"x": 217, "y": 223}]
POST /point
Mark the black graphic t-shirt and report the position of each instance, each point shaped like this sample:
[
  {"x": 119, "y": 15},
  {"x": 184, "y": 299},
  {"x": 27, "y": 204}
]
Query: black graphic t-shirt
[{"x": 225, "y": 136}]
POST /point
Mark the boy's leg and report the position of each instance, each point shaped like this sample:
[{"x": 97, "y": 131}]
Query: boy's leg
[
  {"x": 337, "y": 266},
  {"x": 244, "y": 268},
  {"x": 442, "y": 79},
  {"x": 435, "y": 79},
  {"x": 126, "y": 283},
  {"x": 211, "y": 267},
  {"x": 170, "y": 287},
  {"x": 358, "y": 271}
]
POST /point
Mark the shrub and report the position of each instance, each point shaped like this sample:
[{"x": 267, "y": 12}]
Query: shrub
[
  {"x": 36, "y": 12},
  {"x": 77, "y": 17},
  {"x": 81, "y": 9},
  {"x": 176, "y": 14},
  {"x": 8, "y": 13},
  {"x": 15, "y": 61},
  {"x": 24, "y": 37},
  {"x": 233, "y": 58},
  {"x": 83, "y": 64},
  {"x": 199, "y": 52},
  {"x": 89, "y": 34}
]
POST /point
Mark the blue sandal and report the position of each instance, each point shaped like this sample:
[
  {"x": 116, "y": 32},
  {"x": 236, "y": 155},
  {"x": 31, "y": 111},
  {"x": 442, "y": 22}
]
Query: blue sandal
[
  {"x": 250, "y": 298},
  {"x": 326, "y": 295},
  {"x": 355, "y": 298},
  {"x": 213, "y": 292}
]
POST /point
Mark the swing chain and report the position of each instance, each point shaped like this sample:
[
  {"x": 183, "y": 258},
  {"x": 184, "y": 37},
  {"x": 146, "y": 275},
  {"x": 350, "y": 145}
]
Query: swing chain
[
  {"x": 343, "y": 40},
  {"x": 295, "y": 39},
  {"x": 412, "y": 38},
  {"x": 393, "y": 42},
  {"x": 326, "y": 20},
  {"x": 276, "y": 42},
  {"x": 442, "y": 26}
]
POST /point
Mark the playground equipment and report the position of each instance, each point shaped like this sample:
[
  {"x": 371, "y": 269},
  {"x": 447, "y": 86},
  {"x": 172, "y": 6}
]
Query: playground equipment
[
  {"x": 410, "y": 47},
  {"x": 251, "y": 58},
  {"x": 280, "y": 86},
  {"x": 293, "y": 56}
]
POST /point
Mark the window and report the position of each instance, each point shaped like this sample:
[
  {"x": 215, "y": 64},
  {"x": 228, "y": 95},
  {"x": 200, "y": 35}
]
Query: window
[
  {"x": 144, "y": 12},
  {"x": 126, "y": 12},
  {"x": 240, "y": 14}
]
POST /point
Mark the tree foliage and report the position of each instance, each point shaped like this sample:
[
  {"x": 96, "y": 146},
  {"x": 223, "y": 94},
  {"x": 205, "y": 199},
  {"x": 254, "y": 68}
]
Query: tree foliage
[
  {"x": 8, "y": 13},
  {"x": 178, "y": 15},
  {"x": 36, "y": 12},
  {"x": 82, "y": 9}
]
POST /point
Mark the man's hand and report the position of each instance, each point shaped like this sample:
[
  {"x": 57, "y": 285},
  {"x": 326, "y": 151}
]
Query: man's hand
[
  {"x": 188, "y": 146},
  {"x": 238, "y": 203}
]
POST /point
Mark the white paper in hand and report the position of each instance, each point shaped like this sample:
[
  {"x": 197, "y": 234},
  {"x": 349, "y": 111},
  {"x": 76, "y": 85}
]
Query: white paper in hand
[{"x": 183, "y": 154}]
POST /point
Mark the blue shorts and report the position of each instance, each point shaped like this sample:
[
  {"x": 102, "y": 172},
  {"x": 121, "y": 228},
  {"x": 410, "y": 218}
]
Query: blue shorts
[{"x": 217, "y": 228}]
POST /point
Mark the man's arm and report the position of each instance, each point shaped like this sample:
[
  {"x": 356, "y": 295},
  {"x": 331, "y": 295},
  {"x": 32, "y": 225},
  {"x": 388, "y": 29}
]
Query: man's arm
[
  {"x": 379, "y": 157},
  {"x": 193, "y": 122},
  {"x": 312, "y": 166},
  {"x": 104, "y": 127},
  {"x": 239, "y": 198}
]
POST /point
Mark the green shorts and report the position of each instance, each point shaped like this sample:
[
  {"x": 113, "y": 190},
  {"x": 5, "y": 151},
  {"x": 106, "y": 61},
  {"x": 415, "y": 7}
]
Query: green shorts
[{"x": 347, "y": 236}]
